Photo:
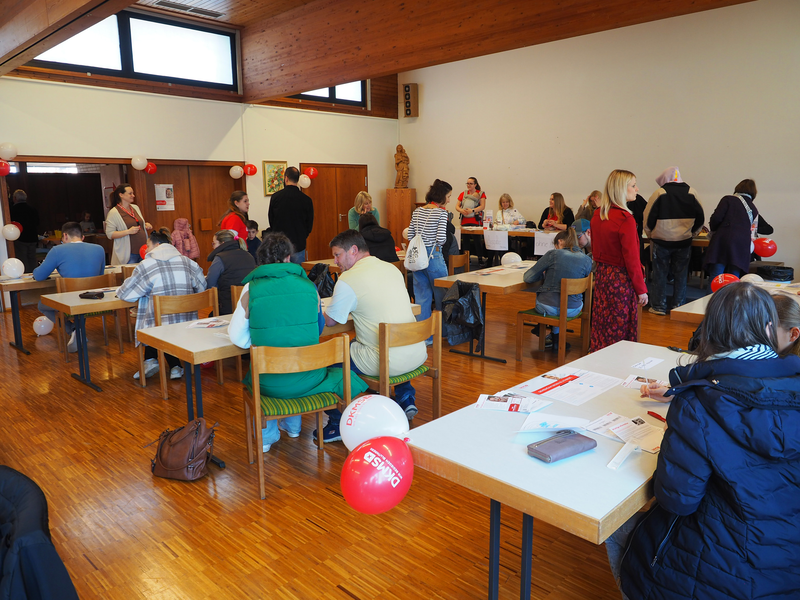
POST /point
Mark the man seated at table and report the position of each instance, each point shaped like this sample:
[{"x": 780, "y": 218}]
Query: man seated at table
[
  {"x": 583, "y": 231},
  {"x": 280, "y": 307},
  {"x": 163, "y": 272},
  {"x": 372, "y": 292},
  {"x": 73, "y": 258}
]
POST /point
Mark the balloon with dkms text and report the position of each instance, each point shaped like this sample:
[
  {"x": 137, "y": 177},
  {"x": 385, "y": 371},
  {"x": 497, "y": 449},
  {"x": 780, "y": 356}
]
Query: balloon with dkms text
[
  {"x": 721, "y": 281},
  {"x": 377, "y": 475},
  {"x": 369, "y": 417}
]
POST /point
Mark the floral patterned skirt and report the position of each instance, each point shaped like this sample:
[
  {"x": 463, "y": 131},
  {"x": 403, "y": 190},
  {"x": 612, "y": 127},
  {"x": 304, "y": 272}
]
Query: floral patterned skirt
[{"x": 614, "y": 307}]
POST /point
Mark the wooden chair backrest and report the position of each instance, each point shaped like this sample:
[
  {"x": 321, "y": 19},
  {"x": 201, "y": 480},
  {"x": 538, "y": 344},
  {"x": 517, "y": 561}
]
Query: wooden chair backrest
[
  {"x": 171, "y": 305},
  {"x": 269, "y": 359},
  {"x": 391, "y": 335},
  {"x": 79, "y": 284},
  {"x": 458, "y": 260},
  {"x": 127, "y": 271},
  {"x": 576, "y": 286},
  {"x": 400, "y": 265},
  {"x": 236, "y": 293}
]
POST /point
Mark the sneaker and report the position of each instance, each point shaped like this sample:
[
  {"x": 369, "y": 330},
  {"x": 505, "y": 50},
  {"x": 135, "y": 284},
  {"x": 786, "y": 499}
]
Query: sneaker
[
  {"x": 535, "y": 331},
  {"x": 265, "y": 448},
  {"x": 291, "y": 434},
  {"x": 330, "y": 433},
  {"x": 175, "y": 372},
  {"x": 150, "y": 368},
  {"x": 655, "y": 311},
  {"x": 410, "y": 409},
  {"x": 548, "y": 341},
  {"x": 72, "y": 344}
]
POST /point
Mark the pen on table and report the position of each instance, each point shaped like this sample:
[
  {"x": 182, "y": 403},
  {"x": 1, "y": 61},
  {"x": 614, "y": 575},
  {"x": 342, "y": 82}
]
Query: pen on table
[{"x": 656, "y": 415}]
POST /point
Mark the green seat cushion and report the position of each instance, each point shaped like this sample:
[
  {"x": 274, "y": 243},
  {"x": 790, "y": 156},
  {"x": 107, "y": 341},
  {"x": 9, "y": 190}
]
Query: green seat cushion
[
  {"x": 535, "y": 313},
  {"x": 94, "y": 314},
  {"x": 408, "y": 376},
  {"x": 281, "y": 407}
]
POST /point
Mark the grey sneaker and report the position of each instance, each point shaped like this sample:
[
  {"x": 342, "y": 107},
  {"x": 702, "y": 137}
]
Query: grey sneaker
[
  {"x": 175, "y": 372},
  {"x": 72, "y": 344},
  {"x": 150, "y": 368},
  {"x": 655, "y": 311}
]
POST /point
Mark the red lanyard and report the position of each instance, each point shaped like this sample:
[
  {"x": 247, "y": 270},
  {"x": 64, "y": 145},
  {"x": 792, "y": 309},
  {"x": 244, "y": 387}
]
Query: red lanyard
[{"x": 130, "y": 213}]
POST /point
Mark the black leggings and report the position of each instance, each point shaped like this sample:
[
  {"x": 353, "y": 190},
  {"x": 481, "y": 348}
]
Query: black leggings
[{"x": 150, "y": 352}]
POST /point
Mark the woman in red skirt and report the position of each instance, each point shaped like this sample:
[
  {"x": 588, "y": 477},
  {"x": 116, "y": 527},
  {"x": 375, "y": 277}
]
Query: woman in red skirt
[{"x": 619, "y": 281}]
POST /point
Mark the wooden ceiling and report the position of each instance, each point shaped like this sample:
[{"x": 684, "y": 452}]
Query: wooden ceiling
[{"x": 291, "y": 46}]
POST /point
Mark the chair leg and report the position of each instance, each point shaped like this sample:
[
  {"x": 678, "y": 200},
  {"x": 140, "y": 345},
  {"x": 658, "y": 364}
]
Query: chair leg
[
  {"x": 219, "y": 373},
  {"x": 249, "y": 429},
  {"x": 142, "y": 378},
  {"x": 542, "y": 336},
  {"x": 585, "y": 336},
  {"x": 320, "y": 441},
  {"x": 129, "y": 321},
  {"x": 437, "y": 395},
  {"x": 162, "y": 371},
  {"x": 105, "y": 330},
  {"x": 520, "y": 325},
  {"x": 239, "y": 374},
  {"x": 62, "y": 325},
  {"x": 118, "y": 328},
  {"x": 259, "y": 450},
  {"x": 562, "y": 342}
]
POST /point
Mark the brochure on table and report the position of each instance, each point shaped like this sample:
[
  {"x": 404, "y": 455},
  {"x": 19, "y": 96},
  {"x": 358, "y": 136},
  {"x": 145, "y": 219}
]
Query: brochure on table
[{"x": 567, "y": 384}]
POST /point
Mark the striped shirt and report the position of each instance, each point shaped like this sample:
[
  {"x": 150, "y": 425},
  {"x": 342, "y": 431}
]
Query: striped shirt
[
  {"x": 756, "y": 352},
  {"x": 431, "y": 224}
]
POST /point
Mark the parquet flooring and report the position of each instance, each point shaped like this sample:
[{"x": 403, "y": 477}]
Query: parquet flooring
[{"x": 124, "y": 534}]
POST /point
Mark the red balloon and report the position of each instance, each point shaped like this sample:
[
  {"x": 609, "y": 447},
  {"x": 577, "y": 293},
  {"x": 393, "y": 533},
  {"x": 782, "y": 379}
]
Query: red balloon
[
  {"x": 17, "y": 224},
  {"x": 150, "y": 168},
  {"x": 311, "y": 172},
  {"x": 765, "y": 246},
  {"x": 377, "y": 475},
  {"x": 5, "y": 168},
  {"x": 143, "y": 251},
  {"x": 250, "y": 170},
  {"x": 722, "y": 280}
]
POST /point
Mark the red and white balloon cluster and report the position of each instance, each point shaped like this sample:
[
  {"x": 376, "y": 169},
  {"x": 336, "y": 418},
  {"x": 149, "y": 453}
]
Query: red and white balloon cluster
[
  {"x": 236, "y": 172},
  {"x": 8, "y": 152},
  {"x": 377, "y": 474},
  {"x": 140, "y": 163},
  {"x": 308, "y": 174}
]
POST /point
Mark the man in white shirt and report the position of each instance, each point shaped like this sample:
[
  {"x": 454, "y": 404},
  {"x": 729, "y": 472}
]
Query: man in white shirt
[{"x": 372, "y": 292}]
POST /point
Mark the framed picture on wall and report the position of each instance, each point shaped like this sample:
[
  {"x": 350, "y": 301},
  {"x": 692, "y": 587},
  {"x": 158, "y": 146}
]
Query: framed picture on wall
[{"x": 273, "y": 176}]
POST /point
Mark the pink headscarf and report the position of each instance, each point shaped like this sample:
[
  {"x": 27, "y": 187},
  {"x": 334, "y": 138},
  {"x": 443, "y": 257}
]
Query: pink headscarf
[{"x": 671, "y": 175}]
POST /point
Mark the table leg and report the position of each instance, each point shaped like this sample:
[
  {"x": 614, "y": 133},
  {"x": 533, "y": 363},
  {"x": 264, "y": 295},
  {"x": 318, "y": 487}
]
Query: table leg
[
  {"x": 527, "y": 556},
  {"x": 187, "y": 373},
  {"x": 17, "y": 343},
  {"x": 494, "y": 549},
  {"x": 482, "y": 341},
  {"x": 84, "y": 375}
]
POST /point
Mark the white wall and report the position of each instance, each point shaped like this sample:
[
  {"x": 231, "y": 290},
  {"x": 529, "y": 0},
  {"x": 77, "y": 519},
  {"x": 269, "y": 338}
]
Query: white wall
[
  {"x": 715, "y": 93},
  {"x": 52, "y": 119}
]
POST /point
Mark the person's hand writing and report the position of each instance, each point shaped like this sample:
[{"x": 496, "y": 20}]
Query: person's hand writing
[{"x": 654, "y": 392}]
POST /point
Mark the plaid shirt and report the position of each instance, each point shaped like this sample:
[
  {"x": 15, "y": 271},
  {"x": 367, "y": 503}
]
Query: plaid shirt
[{"x": 164, "y": 272}]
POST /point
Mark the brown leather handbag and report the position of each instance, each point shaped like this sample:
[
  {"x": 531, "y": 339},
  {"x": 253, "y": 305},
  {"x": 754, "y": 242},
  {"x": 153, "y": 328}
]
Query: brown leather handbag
[{"x": 184, "y": 453}]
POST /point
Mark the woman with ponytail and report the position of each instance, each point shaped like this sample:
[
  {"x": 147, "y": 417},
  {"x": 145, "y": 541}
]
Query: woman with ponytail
[{"x": 235, "y": 218}]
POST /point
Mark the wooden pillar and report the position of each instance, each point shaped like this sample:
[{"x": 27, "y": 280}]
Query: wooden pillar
[{"x": 400, "y": 203}]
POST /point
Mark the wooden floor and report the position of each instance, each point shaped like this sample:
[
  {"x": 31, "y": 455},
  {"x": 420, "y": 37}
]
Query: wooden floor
[{"x": 124, "y": 534}]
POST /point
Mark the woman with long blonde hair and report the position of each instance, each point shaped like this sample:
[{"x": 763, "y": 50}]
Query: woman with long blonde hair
[
  {"x": 557, "y": 215},
  {"x": 619, "y": 280}
]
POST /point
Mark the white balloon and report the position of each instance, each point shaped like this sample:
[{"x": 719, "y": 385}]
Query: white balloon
[
  {"x": 369, "y": 417},
  {"x": 509, "y": 258},
  {"x": 405, "y": 233},
  {"x": 236, "y": 172},
  {"x": 138, "y": 162},
  {"x": 11, "y": 232},
  {"x": 42, "y": 325},
  {"x": 8, "y": 151},
  {"x": 13, "y": 268},
  {"x": 304, "y": 181},
  {"x": 752, "y": 278}
]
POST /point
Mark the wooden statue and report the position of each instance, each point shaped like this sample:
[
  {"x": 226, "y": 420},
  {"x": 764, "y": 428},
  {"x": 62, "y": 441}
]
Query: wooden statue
[{"x": 401, "y": 166}]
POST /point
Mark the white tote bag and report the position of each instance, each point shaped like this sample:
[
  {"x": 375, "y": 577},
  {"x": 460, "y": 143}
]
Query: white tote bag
[{"x": 416, "y": 256}]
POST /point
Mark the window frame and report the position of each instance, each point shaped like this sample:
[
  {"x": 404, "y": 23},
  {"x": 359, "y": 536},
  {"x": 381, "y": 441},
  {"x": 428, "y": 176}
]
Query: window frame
[
  {"x": 126, "y": 54},
  {"x": 331, "y": 99}
]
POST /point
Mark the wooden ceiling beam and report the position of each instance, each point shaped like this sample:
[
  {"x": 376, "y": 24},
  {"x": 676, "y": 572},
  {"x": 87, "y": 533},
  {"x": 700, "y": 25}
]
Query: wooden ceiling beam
[
  {"x": 328, "y": 42},
  {"x": 30, "y": 27}
]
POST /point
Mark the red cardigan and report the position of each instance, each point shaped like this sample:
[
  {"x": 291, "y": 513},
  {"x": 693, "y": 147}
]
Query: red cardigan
[{"x": 616, "y": 242}]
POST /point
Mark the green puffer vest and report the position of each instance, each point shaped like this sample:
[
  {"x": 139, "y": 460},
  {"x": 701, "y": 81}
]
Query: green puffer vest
[{"x": 284, "y": 313}]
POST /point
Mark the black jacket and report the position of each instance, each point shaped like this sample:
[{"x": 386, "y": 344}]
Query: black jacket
[
  {"x": 380, "y": 242},
  {"x": 673, "y": 214},
  {"x": 236, "y": 265},
  {"x": 27, "y": 216},
  {"x": 292, "y": 212}
]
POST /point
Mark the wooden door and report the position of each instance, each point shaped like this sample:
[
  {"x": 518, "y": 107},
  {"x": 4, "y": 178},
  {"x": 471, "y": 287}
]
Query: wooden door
[
  {"x": 210, "y": 188},
  {"x": 143, "y": 186},
  {"x": 332, "y": 192}
]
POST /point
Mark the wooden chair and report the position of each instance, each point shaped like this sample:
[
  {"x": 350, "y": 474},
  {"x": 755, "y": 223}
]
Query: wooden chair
[
  {"x": 458, "y": 260},
  {"x": 172, "y": 305},
  {"x": 127, "y": 271},
  {"x": 80, "y": 284},
  {"x": 236, "y": 293},
  {"x": 406, "y": 276},
  {"x": 266, "y": 359},
  {"x": 526, "y": 318},
  {"x": 391, "y": 335}
]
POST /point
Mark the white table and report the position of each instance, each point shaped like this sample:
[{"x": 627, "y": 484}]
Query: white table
[
  {"x": 482, "y": 451},
  {"x": 693, "y": 312},
  {"x": 493, "y": 280},
  {"x": 71, "y": 303}
]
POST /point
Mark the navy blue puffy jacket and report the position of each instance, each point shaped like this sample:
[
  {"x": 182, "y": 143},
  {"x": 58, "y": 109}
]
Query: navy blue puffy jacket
[{"x": 727, "y": 522}]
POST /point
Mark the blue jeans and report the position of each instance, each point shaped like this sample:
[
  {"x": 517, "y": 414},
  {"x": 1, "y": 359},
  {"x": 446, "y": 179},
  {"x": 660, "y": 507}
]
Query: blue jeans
[
  {"x": 554, "y": 311},
  {"x": 665, "y": 260},
  {"x": 135, "y": 258},
  {"x": 425, "y": 292},
  {"x": 715, "y": 269},
  {"x": 271, "y": 434},
  {"x": 298, "y": 258},
  {"x": 404, "y": 394}
]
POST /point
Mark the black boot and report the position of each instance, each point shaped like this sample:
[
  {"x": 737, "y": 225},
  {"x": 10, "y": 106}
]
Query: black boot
[{"x": 556, "y": 342}]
